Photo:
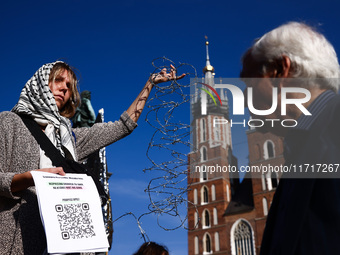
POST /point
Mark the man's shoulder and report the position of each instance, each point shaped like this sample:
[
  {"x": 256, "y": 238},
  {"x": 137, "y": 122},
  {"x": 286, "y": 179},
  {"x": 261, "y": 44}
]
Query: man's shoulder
[
  {"x": 329, "y": 122},
  {"x": 334, "y": 101},
  {"x": 337, "y": 100},
  {"x": 332, "y": 110}
]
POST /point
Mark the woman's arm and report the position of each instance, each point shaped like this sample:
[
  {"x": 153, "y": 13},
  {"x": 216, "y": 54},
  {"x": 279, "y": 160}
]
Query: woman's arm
[
  {"x": 102, "y": 134},
  {"x": 138, "y": 104},
  {"x": 25, "y": 180}
]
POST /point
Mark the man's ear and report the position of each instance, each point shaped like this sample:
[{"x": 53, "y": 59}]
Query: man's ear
[
  {"x": 281, "y": 70},
  {"x": 283, "y": 67}
]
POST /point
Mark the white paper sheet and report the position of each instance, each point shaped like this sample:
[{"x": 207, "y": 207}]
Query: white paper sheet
[{"x": 70, "y": 212}]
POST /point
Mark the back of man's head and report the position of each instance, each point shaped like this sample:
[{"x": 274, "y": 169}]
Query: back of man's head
[{"x": 311, "y": 54}]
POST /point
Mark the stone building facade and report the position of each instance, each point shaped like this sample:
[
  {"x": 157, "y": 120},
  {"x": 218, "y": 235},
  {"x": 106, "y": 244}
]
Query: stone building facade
[{"x": 225, "y": 216}]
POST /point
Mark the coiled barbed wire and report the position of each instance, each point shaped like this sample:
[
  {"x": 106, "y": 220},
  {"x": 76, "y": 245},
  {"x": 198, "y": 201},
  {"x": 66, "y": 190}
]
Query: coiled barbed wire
[{"x": 167, "y": 191}]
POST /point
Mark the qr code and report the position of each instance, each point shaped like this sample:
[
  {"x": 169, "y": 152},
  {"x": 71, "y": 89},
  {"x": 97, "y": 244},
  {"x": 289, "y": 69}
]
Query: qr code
[{"x": 75, "y": 221}]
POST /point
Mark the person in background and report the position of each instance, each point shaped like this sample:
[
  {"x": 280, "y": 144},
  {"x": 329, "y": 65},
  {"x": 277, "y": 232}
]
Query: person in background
[
  {"x": 152, "y": 248},
  {"x": 304, "y": 217}
]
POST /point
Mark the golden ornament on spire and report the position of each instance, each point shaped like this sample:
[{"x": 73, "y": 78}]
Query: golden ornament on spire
[{"x": 208, "y": 67}]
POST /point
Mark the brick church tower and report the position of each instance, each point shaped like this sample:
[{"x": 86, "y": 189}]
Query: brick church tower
[
  {"x": 266, "y": 150},
  {"x": 224, "y": 216},
  {"x": 209, "y": 193}
]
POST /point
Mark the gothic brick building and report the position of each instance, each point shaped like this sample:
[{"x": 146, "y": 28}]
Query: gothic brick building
[{"x": 225, "y": 216}]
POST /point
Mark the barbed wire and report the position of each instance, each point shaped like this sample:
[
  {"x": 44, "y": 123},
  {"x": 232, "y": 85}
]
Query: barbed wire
[
  {"x": 142, "y": 232},
  {"x": 169, "y": 147},
  {"x": 168, "y": 191}
]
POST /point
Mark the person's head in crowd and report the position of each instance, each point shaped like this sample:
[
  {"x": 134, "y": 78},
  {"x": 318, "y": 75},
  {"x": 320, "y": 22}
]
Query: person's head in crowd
[
  {"x": 294, "y": 50},
  {"x": 152, "y": 248}
]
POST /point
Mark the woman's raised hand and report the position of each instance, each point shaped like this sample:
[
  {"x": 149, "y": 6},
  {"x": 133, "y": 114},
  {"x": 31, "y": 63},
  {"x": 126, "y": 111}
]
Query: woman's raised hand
[{"x": 164, "y": 76}]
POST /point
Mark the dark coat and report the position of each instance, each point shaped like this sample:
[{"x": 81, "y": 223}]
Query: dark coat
[{"x": 304, "y": 217}]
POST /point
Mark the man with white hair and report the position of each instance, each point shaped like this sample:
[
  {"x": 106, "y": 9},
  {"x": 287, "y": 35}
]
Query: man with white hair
[{"x": 304, "y": 217}]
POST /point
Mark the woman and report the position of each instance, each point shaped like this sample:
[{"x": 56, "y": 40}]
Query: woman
[{"x": 50, "y": 97}]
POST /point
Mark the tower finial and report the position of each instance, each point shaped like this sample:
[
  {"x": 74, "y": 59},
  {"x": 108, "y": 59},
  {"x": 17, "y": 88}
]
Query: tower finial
[
  {"x": 206, "y": 45},
  {"x": 208, "y": 67}
]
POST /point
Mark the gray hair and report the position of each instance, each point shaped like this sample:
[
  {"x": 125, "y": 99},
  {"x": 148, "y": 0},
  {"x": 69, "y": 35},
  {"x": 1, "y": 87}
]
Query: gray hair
[{"x": 311, "y": 54}]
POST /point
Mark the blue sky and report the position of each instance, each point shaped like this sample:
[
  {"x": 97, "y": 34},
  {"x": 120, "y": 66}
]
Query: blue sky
[{"x": 112, "y": 44}]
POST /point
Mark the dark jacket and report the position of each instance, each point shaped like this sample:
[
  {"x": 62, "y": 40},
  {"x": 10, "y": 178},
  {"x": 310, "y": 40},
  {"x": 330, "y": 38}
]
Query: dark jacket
[{"x": 304, "y": 217}]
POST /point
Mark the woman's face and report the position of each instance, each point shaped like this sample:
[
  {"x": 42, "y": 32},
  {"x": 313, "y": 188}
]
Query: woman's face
[{"x": 61, "y": 89}]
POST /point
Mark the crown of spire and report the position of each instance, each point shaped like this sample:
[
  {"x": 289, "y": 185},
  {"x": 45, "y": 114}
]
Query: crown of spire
[{"x": 208, "y": 67}]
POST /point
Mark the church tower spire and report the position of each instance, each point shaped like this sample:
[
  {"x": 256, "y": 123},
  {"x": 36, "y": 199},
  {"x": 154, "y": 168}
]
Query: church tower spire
[
  {"x": 209, "y": 192},
  {"x": 208, "y": 70}
]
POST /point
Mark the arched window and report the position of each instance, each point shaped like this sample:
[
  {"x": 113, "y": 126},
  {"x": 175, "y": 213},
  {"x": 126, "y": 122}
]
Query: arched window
[
  {"x": 204, "y": 156},
  {"x": 213, "y": 193},
  {"x": 228, "y": 193},
  {"x": 204, "y": 195},
  {"x": 203, "y": 130},
  {"x": 206, "y": 219},
  {"x": 203, "y": 173},
  {"x": 215, "y": 216},
  {"x": 205, "y": 176},
  {"x": 206, "y": 244},
  {"x": 195, "y": 196},
  {"x": 242, "y": 238},
  {"x": 217, "y": 136},
  {"x": 274, "y": 179},
  {"x": 268, "y": 149},
  {"x": 217, "y": 241},
  {"x": 196, "y": 219},
  {"x": 269, "y": 181},
  {"x": 263, "y": 179},
  {"x": 196, "y": 245},
  {"x": 265, "y": 206}
]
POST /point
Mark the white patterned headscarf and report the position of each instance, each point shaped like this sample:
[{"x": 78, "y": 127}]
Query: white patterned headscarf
[{"x": 36, "y": 100}]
